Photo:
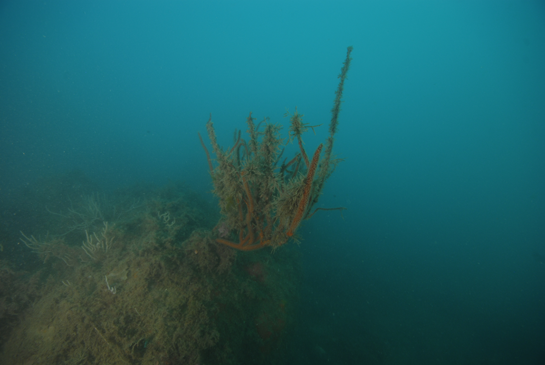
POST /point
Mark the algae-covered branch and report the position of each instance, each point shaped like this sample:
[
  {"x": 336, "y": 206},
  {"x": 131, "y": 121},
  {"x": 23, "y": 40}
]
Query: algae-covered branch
[{"x": 262, "y": 200}]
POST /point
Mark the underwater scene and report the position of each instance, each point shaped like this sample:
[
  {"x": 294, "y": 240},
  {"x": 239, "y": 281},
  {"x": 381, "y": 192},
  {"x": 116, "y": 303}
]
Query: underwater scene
[{"x": 213, "y": 182}]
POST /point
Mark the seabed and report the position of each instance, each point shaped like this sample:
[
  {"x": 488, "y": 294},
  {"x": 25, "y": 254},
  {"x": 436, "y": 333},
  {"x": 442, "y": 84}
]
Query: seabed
[{"x": 137, "y": 278}]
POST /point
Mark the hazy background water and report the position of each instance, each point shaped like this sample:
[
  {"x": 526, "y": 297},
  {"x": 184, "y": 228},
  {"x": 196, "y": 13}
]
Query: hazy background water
[{"x": 439, "y": 258}]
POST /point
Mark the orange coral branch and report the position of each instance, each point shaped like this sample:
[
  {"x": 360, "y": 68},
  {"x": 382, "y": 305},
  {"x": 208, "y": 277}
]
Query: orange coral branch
[
  {"x": 248, "y": 192},
  {"x": 306, "y": 193},
  {"x": 207, "y": 153},
  {"x": 303, "y": 153},
  {"x": 249, "y": 247}
]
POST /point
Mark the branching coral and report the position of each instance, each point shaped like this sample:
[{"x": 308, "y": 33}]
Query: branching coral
[{"x": 263, "y": 202}]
